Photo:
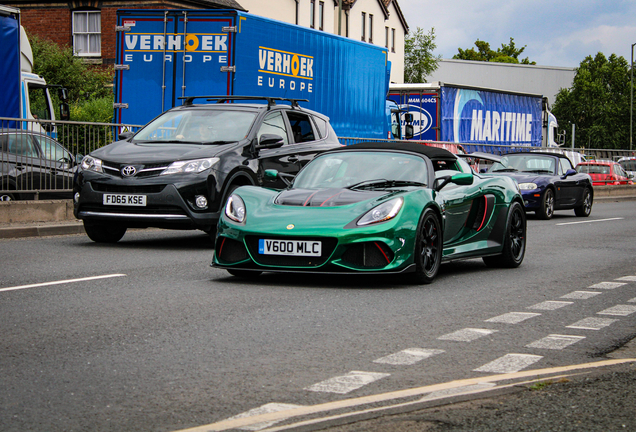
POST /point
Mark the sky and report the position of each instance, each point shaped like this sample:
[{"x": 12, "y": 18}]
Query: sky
[{"x": 555, "y": 32}]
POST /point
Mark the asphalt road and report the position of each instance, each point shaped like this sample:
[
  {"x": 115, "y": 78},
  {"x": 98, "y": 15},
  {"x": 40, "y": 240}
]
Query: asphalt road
[{"x": 159, "y": 341}]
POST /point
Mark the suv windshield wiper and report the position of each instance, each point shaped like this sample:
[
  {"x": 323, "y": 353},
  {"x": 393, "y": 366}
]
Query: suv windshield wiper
[
  {"x": 218, "y": 142},
  {"x": 370, "y": 184},
  {"x": 505, "y": 170}
]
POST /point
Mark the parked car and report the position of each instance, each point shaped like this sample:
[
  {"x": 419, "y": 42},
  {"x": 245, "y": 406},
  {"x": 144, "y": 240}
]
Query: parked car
[
  {"x": 629, "y": 165},
  {"x": 547, "y": 181},
  {"x": 178, "y": 170},
  {"x": 33, "y": 161},
  {"x": 373, "y": 208},
  {"x": 604, "y": 172}
]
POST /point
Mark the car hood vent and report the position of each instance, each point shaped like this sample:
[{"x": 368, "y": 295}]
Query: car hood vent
[{"x": 326, "y": 197}]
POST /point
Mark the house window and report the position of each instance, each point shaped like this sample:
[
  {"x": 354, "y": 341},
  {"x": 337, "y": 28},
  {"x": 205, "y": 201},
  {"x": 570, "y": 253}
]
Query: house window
[
  {"x": 321, "y": 15},
  {"x": 392, "y": 40},
  {"x": 364, "y": 26},
  {"x": 386, "y": 37},
  {"x": 87, "y": 33},
  {"x": 312, "y": 14},
  {"x": 370, "y": 28}
]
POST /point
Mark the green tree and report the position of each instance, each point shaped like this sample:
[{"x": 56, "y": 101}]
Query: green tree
[
  {"x": 597, "y": 103},
  {"x": 419, "y": 60},
  {"x": 506, "y": 54},
  {"x": 58, "y": 65}
]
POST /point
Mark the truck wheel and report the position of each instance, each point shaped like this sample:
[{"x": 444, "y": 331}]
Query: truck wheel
[
  {"x": 585, "y": 208},
  {"x": 103, "y": 232},
  {"x": 428, "y": 248},
  {"x": 514, "y": 247},
  {"x": 547, "y": 205}
]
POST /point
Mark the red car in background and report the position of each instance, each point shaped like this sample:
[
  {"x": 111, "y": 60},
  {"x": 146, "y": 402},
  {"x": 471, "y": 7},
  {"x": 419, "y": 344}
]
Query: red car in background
[{"x": 604, "y": 173}]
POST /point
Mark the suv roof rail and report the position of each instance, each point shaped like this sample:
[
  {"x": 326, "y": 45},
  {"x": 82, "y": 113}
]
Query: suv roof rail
[{"x": 271, "y": 101}]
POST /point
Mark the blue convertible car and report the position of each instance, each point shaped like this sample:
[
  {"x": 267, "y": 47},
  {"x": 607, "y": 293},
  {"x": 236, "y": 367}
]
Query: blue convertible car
[{"x": 547, "y": 181}]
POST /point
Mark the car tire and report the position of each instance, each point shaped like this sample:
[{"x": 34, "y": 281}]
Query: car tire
[
  {"x": 104, "y": 232},
  {"x": 585, "y": 209},
  {"x": 245, "y": 274},
  {"x": 7, "y": 196},
  {"x": 428, "y": 248},
  {"x": 547, "y": 205},
  {"x": 514, "y": 245}
]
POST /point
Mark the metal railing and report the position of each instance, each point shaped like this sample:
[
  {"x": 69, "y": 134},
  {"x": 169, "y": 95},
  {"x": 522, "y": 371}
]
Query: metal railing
[{"x": 38, "y": 158}]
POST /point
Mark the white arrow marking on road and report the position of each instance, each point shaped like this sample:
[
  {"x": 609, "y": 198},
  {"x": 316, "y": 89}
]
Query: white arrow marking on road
[{"x": 61, "y": 282}]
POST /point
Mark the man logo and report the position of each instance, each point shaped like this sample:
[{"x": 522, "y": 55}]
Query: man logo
[{"x": 128, "y": 171}]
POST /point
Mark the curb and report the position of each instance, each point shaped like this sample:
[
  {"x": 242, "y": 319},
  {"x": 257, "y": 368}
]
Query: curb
[{"x": 42, "y": 230}]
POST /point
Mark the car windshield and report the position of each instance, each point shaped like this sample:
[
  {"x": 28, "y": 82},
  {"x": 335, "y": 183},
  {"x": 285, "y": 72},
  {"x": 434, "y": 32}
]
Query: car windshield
[
  {"x": 628, "y": 165},
  {"x": 528, "y": 163},
  {"x": 198, "y": 126},
  {"x": 363, "y": 170},
  {"x": 593, "y": 169}
]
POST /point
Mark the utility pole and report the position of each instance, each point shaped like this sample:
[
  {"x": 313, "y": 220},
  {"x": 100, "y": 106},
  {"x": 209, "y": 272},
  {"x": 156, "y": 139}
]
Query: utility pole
[{"x": 631, "y": 105}]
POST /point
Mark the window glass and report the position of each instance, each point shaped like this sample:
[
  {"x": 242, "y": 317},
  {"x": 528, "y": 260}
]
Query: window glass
[
  {"x": 53, "y": 150},
  {"x": 198, "y": 126},
  {"x": 87, "y": 28},
  {"x": 301, "y": 127},
  {"x": 274, "y": 124},
  {"x": 38, "y": 102},
  {"x": 564, "y": 165},
  {"x": 322, "y": 127},
  {"x": 20, "y": 145}
]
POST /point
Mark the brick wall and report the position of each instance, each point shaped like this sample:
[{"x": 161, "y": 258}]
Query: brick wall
[{"x": 49, "y": 23}]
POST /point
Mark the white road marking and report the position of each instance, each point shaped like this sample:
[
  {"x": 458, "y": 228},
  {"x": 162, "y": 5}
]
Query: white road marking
[
  {"x": 581, "y": 295},
  {"x": 550, "y": 305},
  {"x": 513, "y": 317},
  {"x": 607, "y": 285},
  {"x": 632, "y": 300},
  {"x": 408, "y": 356},
  {"x": 592, "y": 323},
  {"x": 60, "y": 282},
  {"x": 627, "y": 278},
  {"x": 265, "y": 409},
  {"x": 590, "y": 221},
  {"x": 509, "y": 363},
  {"x": 555, "y": 341},
  {"x": 347, "y": 383},
  {"x": 440, "y": 394},
  {"x": 619, "y": 310},
  {"x": 467, "y": 334},
  {"x": 390, "y": 397}
]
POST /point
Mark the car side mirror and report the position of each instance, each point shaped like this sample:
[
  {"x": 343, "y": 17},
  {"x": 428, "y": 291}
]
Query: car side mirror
[
  {"x": 461, "y": 179},
  {"x": 408, "y": 131},
  {"x": 125, "y": 135},
  {"x": 270, "y": 141},
  {"x": 569, "y": 173},
  {"x": 78, "y": 158},
  {"x": 65, "y": 111}
]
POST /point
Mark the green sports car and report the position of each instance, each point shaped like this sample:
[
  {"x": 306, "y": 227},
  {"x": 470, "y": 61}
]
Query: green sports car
[{"x": 373, "y": 208}]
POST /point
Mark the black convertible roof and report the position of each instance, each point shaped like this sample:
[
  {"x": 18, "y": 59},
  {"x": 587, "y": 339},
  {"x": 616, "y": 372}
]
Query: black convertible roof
[{"x": 433, "y": 153}]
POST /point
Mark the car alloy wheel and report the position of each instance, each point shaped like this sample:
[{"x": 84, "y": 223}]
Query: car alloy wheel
[
  {"x": 514, "y": 247},
  {"x": 585, "y": 209},
  {"x": 547, "y": 206},
  {"x": 428, "y": 248}
]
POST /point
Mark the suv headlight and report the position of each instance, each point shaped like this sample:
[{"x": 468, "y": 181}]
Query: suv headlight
[
  {"x": 527, "y": 186},
  {"x": 235, "y": 209},
  {"x": 191, "y": 166},
  {"x": 381, "y": 213},
  {"x": 90, "y": 163}
]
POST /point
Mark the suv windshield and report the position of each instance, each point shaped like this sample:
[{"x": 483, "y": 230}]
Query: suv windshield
[{"x": 203, "y": 126}]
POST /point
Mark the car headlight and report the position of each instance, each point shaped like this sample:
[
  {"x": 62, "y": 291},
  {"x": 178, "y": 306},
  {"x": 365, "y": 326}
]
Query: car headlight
[
  {"x": 235, "y": 208},
  {"x": 191, "y": 166},
  {"x": 381, "y": 213},
  {"x": 528, "y": 186},
  {"x": 90, "y": 163}
]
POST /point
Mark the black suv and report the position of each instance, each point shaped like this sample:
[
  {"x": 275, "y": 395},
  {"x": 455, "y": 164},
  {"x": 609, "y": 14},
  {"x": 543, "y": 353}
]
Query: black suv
[{"x": 178, "y": 170}]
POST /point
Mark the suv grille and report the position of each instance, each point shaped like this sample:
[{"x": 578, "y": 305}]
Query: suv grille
[{"x": 132, "y": 189}]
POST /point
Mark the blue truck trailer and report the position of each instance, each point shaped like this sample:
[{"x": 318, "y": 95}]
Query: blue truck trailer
[
  {"x": 24, "y": 94},
  {"x": 163, "y": 55},
  {"x": 480, "y": 119}
]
